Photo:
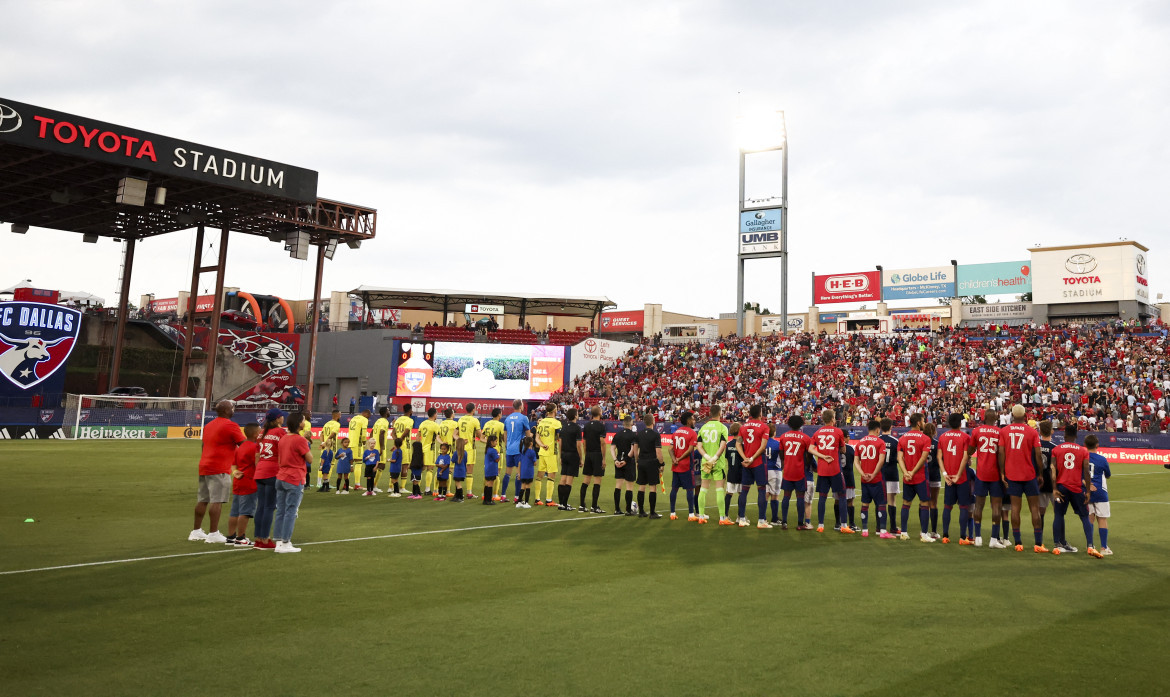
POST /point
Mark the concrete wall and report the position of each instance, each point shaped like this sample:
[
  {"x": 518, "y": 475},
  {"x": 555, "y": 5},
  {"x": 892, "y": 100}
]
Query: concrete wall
[{"x": 362, "y": 359}]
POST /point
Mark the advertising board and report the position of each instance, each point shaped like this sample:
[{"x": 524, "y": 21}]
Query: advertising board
[
  {"x": 486, "y": 371},
  {"x": 616, "y": 322},
  {"x": 992, "y": 312},
  {"x": 759, "y": 231},
  {"x": 594, "y": 353},
  {"x": 847, "y": 287},
  {"x": 923, "y": 282},
  {"x": 1090, "y": 273},
  {"x": 995, "y": 278}
]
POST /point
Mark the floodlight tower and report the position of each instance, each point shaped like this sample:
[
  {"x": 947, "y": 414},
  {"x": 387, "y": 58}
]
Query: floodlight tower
[{"x": 763, "y": 201}]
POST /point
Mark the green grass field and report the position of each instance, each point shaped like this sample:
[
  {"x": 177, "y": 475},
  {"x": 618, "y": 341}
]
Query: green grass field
[{"x": 500, "y": 601}]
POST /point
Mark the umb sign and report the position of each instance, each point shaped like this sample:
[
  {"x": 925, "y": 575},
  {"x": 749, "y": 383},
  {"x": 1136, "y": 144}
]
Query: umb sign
[
  {"x": 80, "y": 136},
  {"x": 847, "y": 287},
  {"x": 759, "y": 231},
  {"x": 478, "y": 309}
]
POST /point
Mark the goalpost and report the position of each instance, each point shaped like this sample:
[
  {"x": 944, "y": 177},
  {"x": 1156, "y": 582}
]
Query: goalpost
[{"x": 110, "y": 417}]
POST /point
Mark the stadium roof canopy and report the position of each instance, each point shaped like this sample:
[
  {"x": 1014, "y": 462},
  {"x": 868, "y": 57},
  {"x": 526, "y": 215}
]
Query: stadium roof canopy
[{"x": 443, "y": 300}]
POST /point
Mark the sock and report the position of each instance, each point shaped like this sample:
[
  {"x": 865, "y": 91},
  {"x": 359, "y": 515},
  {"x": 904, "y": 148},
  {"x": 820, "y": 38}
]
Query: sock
[
  {"x": 726, "y": 504},
  {"x": 584, "y": 488},
  {"x": 527, "y": 494},
  {"x": 978, "y": 529},
  {"x": 1103, "y": 533},
  {"x": 934, "y": 520},
  {"x": 820, "y": 510},
  {"x": 564, "y": 491},
  {"x": 836, "y": 515},
  {"x": 629, "y": 499},
  {"x": 653, "y": 500},
  {"x": 762, "y": 502},
  {"x": 470, "y": 482},
  {"x": 596, "y": 493},
  {"x": 429, "y": 480},
  {"x": 891, "y": 513},
  {"x": 414, "y": 491},
  {"x": 964, "y": 522},
  {"x": 905, "y": 517},
  {"x": 504, "y": 488},
  {"x": 995, "y": 531},
  {"x": 641, "y": 502},
  {"x": 882, "y": 523},
  {"x": 864, "y": 517},
  {"x": 970, "y": 525},
  {"x": 487, "y": 494},
  {"x": 370, "y": 483},
  {"x": 1088, "y": 525},
  {"x": 395, "y": 486},
  {"x": 742, "y": 505},
  {"x": 691, "y": 508},
  {"x": 673, "y": 496},
  {"x": 617, "y": 499},
  {"x": 841, "y": 506},
  {"x": 947, "y": 521},
  {"x": 516, "y": 483},
  {"x": 784, "y": 508},
  {"x": 1038, "y": 533},
  {"x": 850, "y": 512},
  {"x": 722, "y": 501},
  {"x": 924, "y": 519},
  {"x": 701, "y": 503},
  {"x": 1016, "y": 535},
  {"x": 1042, "y": 514},
  {"x": 775, "y": 509},
  {"x": 800, "y": 509},
  {"x": 459, "y": 492},
  {"x": 318, "y": 479}
]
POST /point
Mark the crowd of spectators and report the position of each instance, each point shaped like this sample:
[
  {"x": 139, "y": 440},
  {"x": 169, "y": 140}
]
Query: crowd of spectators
[{"x": 1107, "y": 377}]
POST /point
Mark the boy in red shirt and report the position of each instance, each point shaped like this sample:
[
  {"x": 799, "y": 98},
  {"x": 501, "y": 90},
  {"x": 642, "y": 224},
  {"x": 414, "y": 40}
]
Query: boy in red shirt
[
  {"x": 913, "y": 452},
  {"x": 243, "y": 488}
]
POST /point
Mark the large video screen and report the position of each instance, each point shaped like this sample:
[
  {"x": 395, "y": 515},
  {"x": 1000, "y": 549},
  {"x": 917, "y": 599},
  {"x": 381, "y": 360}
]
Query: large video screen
[{"x": 478, "y": 371}]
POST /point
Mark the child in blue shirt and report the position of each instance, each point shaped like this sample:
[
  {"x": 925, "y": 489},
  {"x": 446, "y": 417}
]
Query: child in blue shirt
[
  {"x": 416, "y": 470},
  {"x": 491, "y": 470},
  {"x": 370, "y": 457},
  {"x": 459, "y": 467},
  {"x": 326, "y": 465},
  {"x": 395, "y": 459},
  {"x": 1099, "y": 492},
  {"x": 443, "y": 464},
  {"x": 527, "y": 472},
  {"x": 344, "y": 461}
]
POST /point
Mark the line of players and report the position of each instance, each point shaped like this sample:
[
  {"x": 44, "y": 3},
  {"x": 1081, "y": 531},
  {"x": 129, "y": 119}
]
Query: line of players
[{"x": 1008, "y": 465}]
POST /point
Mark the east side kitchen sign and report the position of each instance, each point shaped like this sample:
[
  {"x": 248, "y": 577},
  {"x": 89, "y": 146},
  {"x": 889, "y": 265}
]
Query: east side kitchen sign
[
  {"x": 847, "y": 287},
  {"x": 80, "y": 136},
  {"x": 1112, "y": 271}
]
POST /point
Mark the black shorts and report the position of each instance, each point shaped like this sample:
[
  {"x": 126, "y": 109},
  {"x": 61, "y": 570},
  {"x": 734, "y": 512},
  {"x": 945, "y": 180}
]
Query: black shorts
[
  {"x": 525, "y": 481},
  {"x": 890, "y": 474},
  {"x": 594, "y": 465},
  {"x": 648, "y": 474},
  {"x": 627, "y": 472},
  {"x": 570, "y": 468},
  {"x": 370, "y": 470}
]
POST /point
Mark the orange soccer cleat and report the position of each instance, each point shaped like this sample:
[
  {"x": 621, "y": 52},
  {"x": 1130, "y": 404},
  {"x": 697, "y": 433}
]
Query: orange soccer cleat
[
  {"x": 1040, "y": 549},
  {"x": 845, "y": 529},
  {"x": 692, "y": 518},
  {"x": 1094, "y": 553},
  {"x": 726, "y": 521},
  {"x": 1056, "y": 551},
  {"x": 945, "y": 540},
  {"x": 674, "y": 516},
  {"x": 1019, "y": 548}
]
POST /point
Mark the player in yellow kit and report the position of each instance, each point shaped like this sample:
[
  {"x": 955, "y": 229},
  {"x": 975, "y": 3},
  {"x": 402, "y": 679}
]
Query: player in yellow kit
[
  {"x": 469, "y": 431},
  {"x": 329, "y": 433},
  {"x": 403, "y": 426},
  {"x": 357, "y": 435},
  {"x": 447, "y": 428},
  {"x": 495, "y": 427},
  {"x": 379, "y": 434},
  {"x": 428, "y": 435},
  {"x": 548, "y": 467}
]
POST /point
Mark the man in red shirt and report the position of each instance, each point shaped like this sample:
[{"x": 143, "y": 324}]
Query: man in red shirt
[
  {"x": 830, "y": 443},
  {"x": 1019, "y": 454},
  {"x": 953, "y": 448},
  {"x": 753, "y": 437},
  {"x": 1072, "y": 489},
  {"x": 871, "y": 455},
  {"x": 913, "y": 452},
  {"x": 682, "y": 444},
  {"x": 220, "y": 438},
  {"x": 794, "y": 445},
  {"x": 988, "y": 477}
]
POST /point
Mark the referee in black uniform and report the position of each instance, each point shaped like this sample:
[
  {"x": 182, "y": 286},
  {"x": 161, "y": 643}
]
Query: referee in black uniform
[
  {"x": 649, "y": 466},
  {"x": 594, "y": 437},
  {"x": 624, "y": 449},
  {"x": 570, "y": 458}
]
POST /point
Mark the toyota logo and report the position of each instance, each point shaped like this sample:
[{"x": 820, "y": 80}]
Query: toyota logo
[
  {"x": 590, "y": 346},
  {"x": 9, "y": 120},
  {"x": 1081, "y": 264},
  {"x": 1141, "y": 264}
]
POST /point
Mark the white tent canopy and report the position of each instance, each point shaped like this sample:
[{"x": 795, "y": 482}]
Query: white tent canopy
[
  {"x": 377, "y": 297},
  {"x": 65, "y": 296}
]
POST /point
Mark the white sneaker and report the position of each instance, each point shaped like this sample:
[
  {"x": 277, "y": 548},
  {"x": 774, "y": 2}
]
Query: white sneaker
[
  {"x": 1003, "y": 542},
  {"x": 978, "y": 541},
  {"x": 527, "y": 505},
  {"x": 904, "y": 536},
  {"x": 337, "y": 492},
  {"x": 764, "y": 525},
  {"x": 519, "y": 504},
  {"x": 215, "y": 538},
  {"x": 285, "y": 548},
  {"x": 742, "y": 522},
  {"x": 705, "y": 517},
  {"x": 935, "y": 536},
  {"x": 197, "y": 535},
  {"x": 992, "y": 544},
  {"x": 396, "y": 495},
  {"x": 925, "y": 537},
  {"x": 377, "y": 490},
  {"x": 1105, "y": 551},
  {"x": 243, "y": 542},
  {"x": 346, "y": 492}
]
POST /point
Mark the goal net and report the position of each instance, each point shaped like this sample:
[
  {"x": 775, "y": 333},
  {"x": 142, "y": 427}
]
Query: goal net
[{"x": 115, "y": 417}]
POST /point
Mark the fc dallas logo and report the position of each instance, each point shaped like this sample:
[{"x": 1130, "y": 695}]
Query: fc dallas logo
[{"x": 35, "y": 340}]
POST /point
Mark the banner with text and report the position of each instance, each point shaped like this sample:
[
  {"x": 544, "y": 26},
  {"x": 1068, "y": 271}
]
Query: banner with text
[
  {"x": 995, "y": 278},
  {"x": 925, "y": 282},
  {"x": 847, "y": 287}
]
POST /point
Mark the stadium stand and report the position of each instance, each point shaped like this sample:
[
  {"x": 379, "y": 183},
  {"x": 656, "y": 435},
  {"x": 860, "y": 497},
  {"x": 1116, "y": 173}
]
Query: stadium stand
[
  {"x": 448, "y": 334},
  {"x": 514, "y": 336},
  {"x": 1107, "y": 377},
  {"x": 566, "y": 338}
]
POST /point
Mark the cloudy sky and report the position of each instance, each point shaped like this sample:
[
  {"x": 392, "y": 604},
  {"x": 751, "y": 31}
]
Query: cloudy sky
[{"x": 590, "y": 148}]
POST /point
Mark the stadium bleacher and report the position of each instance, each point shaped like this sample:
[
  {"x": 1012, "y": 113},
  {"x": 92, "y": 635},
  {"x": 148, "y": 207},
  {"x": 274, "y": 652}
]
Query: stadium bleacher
[
  {"x": 448, "y": 334},
  {"x": 514, "y": 336},
  {"x": 566, "y": 338}
]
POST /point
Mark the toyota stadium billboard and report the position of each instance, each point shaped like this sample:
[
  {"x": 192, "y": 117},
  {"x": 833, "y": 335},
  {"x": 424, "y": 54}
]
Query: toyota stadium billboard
[
  {"x": 476, "y": 371},
  {"x": 1092, "y": 273},
  {"x": 994, "y": 279},
  {"x": 924, "y": 282},
  {"x": 847, "y": 287}
]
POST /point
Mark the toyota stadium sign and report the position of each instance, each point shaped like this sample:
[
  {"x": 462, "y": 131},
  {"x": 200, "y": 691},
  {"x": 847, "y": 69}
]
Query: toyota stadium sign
[
  {"x": 80, "y": 136},
  {"x": 847, "y": 287},
  {"x": 1115, "y": 271},
  {"x": 618, "y": 322},
  {"x": 926, "y": 282},
  {"x": 478, "y": 309}
]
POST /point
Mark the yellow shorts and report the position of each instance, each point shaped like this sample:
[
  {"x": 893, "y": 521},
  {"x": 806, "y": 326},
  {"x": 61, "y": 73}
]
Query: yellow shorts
[
  {"x": 405, "y": 455},
  {"x": 548, "y": 464},
  {"x": 470, "y": 456},
  {"x": 428, "y": 459}
]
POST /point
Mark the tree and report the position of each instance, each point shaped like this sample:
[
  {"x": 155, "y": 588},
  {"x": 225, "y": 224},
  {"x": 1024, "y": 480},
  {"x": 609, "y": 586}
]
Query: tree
[
  {"x": 1026, "y": 297},
  {"x": 975, "y": 300},
  {"x": 755, "y": 307}
]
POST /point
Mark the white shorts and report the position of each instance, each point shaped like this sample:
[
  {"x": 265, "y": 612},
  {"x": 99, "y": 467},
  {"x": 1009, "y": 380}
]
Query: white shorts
[
  {"x": 775, "y": 477},
  {"x": 893, "y": 487},
  {"x": 733, "y": 488},
  {"x": 808, "y": 497},
  {"x": 1101, "y": 510},
  {"x": 936, "y": 485},
  {"x": 850, "y": 493},
  {"x": 1045, "y": 500}
]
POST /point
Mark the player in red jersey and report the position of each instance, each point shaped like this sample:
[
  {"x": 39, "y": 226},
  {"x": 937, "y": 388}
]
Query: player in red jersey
[
  {"x": 794, "y": 445},
  {"x": 830, "y": 443},
  {"x": 1072, "y": 489},
  {"x": 753, "y": 438},
  {"x": 682, "y": 445},
  {"x": 913, "y": 452},
  {"x": 1020, "y": 459},
  {"x": 953, "y": 451},
  {"x": 988, "y": 477},
  {"x": 871, "y": 455}
]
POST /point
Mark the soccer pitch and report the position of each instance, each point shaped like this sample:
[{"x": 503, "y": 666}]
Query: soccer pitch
[{"x": 426, "y": 598}]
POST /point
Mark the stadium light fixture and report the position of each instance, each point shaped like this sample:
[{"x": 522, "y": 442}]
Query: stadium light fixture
[
  {"x": 331, "y": 248},
  {"x": 761, "y": 131},
  {"x": 354, "y": 244},
  {"x": 160, "y": 195},
  {"x": 131, "y": 191}
]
